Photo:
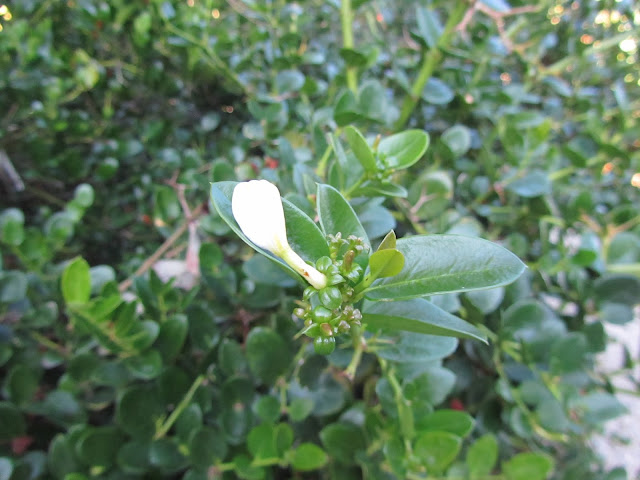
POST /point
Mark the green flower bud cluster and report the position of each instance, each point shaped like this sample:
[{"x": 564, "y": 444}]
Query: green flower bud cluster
[{"x": 328, "y": 312}]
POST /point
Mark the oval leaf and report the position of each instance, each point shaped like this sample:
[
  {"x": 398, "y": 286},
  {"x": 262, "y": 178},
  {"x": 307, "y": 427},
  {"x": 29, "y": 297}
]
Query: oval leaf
[
  {"x": 437, "y": 264},
  {"x": 360, "y": 148},
  {"x": 403, "y": 149},
  {"x": 76, "y": 282},
  {"x": 337, "y": 215},
  {"x": 419, "y": 316}
]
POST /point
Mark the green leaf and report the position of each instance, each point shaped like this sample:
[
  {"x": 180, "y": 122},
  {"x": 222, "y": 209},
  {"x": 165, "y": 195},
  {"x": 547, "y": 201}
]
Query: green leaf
[
  {"x": 444, "y": 420},
  {"x": 436, "y": 264},
  {"x": 21, "y": 384},
  {"x": 403, "y": 149},
  {"x": 267, "y": 354},
  {"x": 61, "y": 458},
  {"x": 361, "y": 149},
  {"x": 300, "y": 408},
  {"x": 303, "y": 234},
  {"x": 533, "y": 184},
  {"x": 76, "y": 282},
  {"x": 429, "y": 27},
  {"x": 419, "y": 316},
  {"x": 437, "y": 450},
  {"x": 260, "y": 441},
  {"x": 458, "y": 139},
  {"x": 308, "y": 456},
  {"x": 12, "y": 226},
  {"x": 171, "y": 337},
  {"x": 437, "y": 92},
  {"x": 133, "y": 457},
  {"x": 166, "y": 455},
  {"x": 336, "y": 215},
  {"x": 411, "y": 347},
  {"x": 482, "y": 456},
  {"x": 389, "y": 241},
  {"x": 528, "y": 466},
  {"x": 289, "y": 81},
  {"x": 138, "y": 411},
  {"x": 207, "y": 447},
  {"x": 268, "y": 409},
  {"x": 259, "y": 269},
  {"x": 12, "y": 422},
  {"x": 343, "y": 441},
  {"x": 385, "y": 263},
  {"x": 13, "y": 286},
  {"x": 99, "y": 446}
]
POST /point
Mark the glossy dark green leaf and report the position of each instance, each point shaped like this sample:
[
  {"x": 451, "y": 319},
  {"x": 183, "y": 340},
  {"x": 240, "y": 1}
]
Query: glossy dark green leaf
[
  {"x": 437, "y": 450},
  {"x": 98, "y": 446},
  {"x": 528, "y": 466},
  {"x": 418, "y": 316},
  {"x": 21, "y": 384},
  {"x": 268, "y": 409},
  {"x": 336, "y": 215},
  {"x": 360, "y": 148},
  {"x": 133, "y": 457},
  {"x": 12, "y": 423},
  {"x": 171, "y": 338},
  {"x": 165, "y": 454},
  {"x": 61, "y": 458},
  {"x": 138, "y": 410},
  {"x": 267, "y": 354},
  {"x": 436, "y": 264},
  {"x": 259, "y": 269},
  {"x": 76, "y": 282},
  {"x": 403, "y": 149},
  {"x": 342, "y": 441},
  {"x": 207, "y": 447},
  {"x": 308, "y": 456}
]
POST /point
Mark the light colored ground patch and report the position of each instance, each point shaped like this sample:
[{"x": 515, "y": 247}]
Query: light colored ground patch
[{"x": 619, "y": 445}]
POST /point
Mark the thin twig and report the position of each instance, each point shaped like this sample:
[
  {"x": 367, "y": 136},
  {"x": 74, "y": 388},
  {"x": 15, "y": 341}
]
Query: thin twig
[{"x": 148, "y": 263}]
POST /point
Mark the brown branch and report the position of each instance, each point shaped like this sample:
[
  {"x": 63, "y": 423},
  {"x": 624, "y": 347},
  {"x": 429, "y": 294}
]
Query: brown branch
[{"x": 148, "y": 263}]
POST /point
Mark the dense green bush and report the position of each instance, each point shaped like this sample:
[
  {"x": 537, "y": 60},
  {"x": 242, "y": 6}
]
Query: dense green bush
[{"x": 117, "y": 118}]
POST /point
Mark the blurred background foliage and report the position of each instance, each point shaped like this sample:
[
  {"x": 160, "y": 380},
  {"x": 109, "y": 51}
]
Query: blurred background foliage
[{"x": 116, "y": 116}]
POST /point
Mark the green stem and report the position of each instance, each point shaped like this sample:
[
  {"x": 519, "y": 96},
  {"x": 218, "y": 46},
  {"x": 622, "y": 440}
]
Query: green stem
[
  {"x": 358, "y": 347},
  {"x": 184, "y": 403},
  {"x": 321, "y": 170},
  {"x": 405, "y": 414},
  {"x": 430, "y": 61},
  {"x": 346, "y": 18}
]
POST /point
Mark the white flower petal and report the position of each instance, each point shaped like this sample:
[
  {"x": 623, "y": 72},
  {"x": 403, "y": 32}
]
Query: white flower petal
[{"x": 257, "y": 207}]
